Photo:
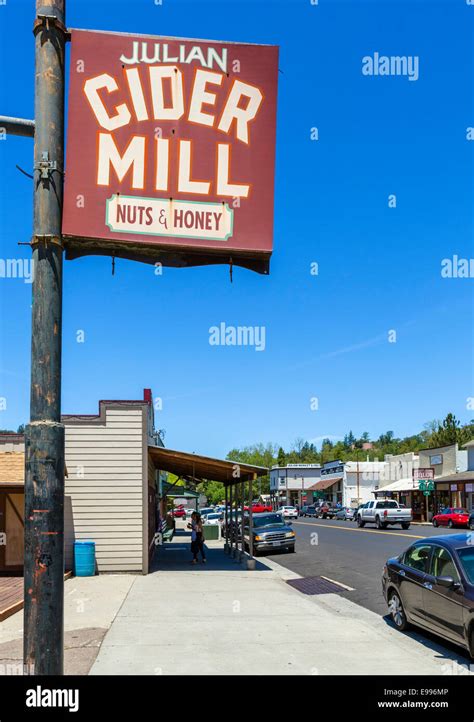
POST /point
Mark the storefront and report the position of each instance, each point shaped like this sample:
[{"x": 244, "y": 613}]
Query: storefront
[
  {"x": 406, "y": 492},
  {"x": 456, "y": 490}
]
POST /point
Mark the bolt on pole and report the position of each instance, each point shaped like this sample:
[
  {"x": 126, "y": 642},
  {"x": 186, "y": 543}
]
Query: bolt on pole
[{"x": 44, "y": 437}]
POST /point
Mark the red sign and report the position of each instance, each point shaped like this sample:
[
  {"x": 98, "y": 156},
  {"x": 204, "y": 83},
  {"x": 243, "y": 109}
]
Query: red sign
[
  {"x": 426, "y": 473},
  {"x": 170, "y": 149}
]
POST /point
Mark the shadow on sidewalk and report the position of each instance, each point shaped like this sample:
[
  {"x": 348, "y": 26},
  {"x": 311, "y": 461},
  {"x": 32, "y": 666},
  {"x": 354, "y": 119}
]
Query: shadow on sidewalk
[{"x": 176, "y": 555}]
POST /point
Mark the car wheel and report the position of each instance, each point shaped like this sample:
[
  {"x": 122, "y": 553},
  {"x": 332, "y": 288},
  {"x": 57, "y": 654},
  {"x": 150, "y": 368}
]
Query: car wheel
[
  {"x": 397, "y": 612},
  {"x": 471, "y": 642},
  {"x": 378, "y": 523},
  {"x": 360, "y": 523},
  {"x": 406, "y": 525},
  {"x": 471, "y": 525},
  {"x": 435, "y": 523},
  {"x": 450, "y": 524}
]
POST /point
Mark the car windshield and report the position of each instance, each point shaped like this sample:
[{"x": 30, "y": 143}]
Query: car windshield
[
  {"x": 268, "y": 519},
  {"x": 460, "y": 511},
  {"x": 310, "y": 508},
  {"x": 466, "y": 557},
  {"x": 387, "y": 505}
]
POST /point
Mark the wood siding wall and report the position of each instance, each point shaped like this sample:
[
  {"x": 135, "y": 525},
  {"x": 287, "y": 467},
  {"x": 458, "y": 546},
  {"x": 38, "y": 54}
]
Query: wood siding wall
[{"x": 104, "y": 489}]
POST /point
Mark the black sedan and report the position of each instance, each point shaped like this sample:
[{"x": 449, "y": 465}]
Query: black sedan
[{"x": 431, "y": 585}]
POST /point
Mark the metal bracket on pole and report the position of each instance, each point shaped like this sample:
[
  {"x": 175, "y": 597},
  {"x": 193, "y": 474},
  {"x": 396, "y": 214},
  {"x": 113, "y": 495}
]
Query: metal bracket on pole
[
  {"x": 47, "y": 20},
  {"x": 45, "y": 166},
  {"x": 45, "y": 239}
]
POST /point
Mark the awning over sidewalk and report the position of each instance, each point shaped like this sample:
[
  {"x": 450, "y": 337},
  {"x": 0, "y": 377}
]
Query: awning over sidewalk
[
  {"x": 196, "y": 467},
  {"x": 407, "y": 484},
  {"x": 325, "y": 484}
]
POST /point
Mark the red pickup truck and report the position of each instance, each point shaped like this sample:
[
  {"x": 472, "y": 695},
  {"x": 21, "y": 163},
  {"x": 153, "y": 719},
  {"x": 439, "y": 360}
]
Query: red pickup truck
[{"x": 259, "y": 508}]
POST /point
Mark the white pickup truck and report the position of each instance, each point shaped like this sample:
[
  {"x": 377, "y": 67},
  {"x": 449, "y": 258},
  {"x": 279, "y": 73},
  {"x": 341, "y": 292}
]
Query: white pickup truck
[{"x": 383, "y": 512}]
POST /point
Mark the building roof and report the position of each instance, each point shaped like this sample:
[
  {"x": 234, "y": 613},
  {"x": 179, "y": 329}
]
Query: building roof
[
  {"x": 195, "y": 466},
  {"x": 460, "y": 476},
  {"x": 324, "y": 484},
  {"x": 469, "y": 444},
  {"x": 12, "y": 468}
]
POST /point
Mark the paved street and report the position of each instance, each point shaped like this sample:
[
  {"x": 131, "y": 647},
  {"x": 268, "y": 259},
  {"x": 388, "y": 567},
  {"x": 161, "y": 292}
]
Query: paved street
[
  {"x": 355, "y": 557},
  {"x": 350, "y": 555}
]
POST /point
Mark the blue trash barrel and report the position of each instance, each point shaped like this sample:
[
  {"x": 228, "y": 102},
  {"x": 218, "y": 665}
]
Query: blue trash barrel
[{"x": 84, "y": 558}]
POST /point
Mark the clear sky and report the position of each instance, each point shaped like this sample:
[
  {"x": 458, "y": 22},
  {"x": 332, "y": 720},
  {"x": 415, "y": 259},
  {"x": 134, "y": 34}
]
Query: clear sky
[{"x": 327, "y": 336}]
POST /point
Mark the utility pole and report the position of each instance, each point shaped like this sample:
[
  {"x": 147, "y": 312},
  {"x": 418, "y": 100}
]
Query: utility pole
[{"x": 44, "y": 437}]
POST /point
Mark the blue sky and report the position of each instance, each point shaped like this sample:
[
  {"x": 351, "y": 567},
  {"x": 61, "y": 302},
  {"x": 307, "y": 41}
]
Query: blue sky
[{"x": 379, "y": 267}]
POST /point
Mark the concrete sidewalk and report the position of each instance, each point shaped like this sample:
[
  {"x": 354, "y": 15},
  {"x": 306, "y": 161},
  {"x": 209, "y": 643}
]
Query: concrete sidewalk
[{"x": 220, "y": 618}]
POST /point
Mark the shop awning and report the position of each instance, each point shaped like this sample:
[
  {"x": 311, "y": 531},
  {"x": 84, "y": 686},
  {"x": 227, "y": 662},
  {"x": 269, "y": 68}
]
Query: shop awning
[
  {"x": 197, "y": 467},
  {"x": 324, "y": 484},
  {"x": 406, "y": 484}
]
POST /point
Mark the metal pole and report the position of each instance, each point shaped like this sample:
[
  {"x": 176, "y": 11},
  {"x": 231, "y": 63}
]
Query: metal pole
[
  {"x": 44, "y": 447},
  {"x": 231, "y": 529},
  {"x": 237, "y": 496},
  {"x": 226, "y": 517},
  {"x": 243, "y": 504},
  {"x": 250, "y": 560},
  {"x": 17, "y": 126}
]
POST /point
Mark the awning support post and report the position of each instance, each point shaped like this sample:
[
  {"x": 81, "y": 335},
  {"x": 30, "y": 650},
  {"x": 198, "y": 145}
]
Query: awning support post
[
  {"x": 226, "y": 518},
  {"x": 251, "y": 564},
  {"x": 231, "y": 504},
  {"x": 238, "y": 554}
]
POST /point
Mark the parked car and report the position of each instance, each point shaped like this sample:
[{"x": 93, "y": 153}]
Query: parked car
[
  {"x": 213, "y": 518},
  {"x": 179, "y": 513},
  {"x": 471, "y": 520},
  {"x": 431, "y": 585},
  {"x": 206, "y": 510},
  {"x": 326, "y": 510},
  {"x": 259, "y": 508},
  {"x": 451, "y": 517},
  {"x": 288, "y": 512},
  {"x": 308, "y": 510},
  {"x": 346, "y": 513},
  {"x": 269, "y": 533},
  {"x": 382, "y": 513}
]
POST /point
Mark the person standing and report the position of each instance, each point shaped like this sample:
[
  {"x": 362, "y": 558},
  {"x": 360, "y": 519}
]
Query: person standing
[{"x": 197, "y": 538}]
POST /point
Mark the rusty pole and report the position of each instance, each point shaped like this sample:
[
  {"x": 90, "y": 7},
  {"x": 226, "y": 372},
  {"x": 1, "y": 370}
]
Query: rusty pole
[{"x": 44, "y": 447}]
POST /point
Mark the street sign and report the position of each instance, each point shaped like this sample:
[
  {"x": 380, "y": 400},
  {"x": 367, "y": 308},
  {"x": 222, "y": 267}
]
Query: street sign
[
  {"x": 426, "y": 485},
  {"x": 170, "y": 150}
]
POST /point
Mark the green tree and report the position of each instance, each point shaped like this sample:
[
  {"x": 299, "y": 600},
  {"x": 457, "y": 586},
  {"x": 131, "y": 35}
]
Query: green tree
[
  {"x": 281, "y": 458},
  {"x": 447, "y": 433}
]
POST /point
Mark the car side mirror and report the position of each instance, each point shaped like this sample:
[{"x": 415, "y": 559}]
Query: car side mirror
[{"x": 447, "y": 582}]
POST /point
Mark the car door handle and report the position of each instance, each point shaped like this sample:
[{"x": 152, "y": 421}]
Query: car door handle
[{"x": 427, "y": 585}]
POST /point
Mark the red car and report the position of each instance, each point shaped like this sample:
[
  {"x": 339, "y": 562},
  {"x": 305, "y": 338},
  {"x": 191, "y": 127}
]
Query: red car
[
  {"x": 451, "y": 517},
  {"x": 179, "y": 513},
  {"x": 259, "y": 508}
]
